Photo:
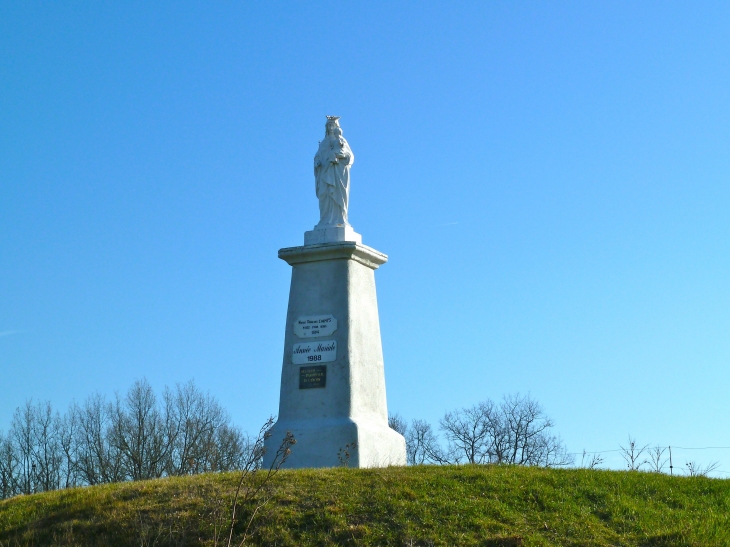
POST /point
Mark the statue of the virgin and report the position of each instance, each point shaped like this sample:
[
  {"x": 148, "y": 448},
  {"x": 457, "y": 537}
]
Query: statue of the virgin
[{"x": 332, "y": 175}]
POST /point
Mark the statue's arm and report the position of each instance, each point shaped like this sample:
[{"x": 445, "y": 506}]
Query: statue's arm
[
  {"x": 346, "y": 155},
  {"x": 342, "y": 155}
]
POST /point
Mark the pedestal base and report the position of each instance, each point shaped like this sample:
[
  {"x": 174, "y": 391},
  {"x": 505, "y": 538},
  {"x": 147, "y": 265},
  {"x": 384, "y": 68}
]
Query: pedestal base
[
  {"x": 324, "y": 443},
  {"x": 331, "y": 234}
]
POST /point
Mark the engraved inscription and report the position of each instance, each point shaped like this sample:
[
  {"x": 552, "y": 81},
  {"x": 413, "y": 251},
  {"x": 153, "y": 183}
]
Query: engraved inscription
[
  {"x": 310, "y": 377},
  {"x": 309, "y": 326}
]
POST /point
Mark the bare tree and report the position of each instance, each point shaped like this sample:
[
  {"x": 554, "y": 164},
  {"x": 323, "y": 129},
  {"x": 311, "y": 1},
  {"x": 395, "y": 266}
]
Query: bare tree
[
  {"x": 9, "y": 465},
  {"x": 396, "y": 423},
  {"x": 67, "y": 435},
  {"x": 514, "y": 432},
  {"x": 657, "y": 461},
  {"x": 422, "y": 445},
  {"x": 46, "y": 450},
  {"x": 30, "y": 455},
  {"x": 22, "y": 437},
  {"x": 141, "y": 432},
  {"x": 521, "y": 434},
  {"x": 231, "y": 449},
  {"x": 137, "y": 437},
  {"x": 590, "y": 460},
  {"x": 550, "y": 452},
  {"x": 469, "y": 432},
  {"x": 631, "y": 453},
  {"x": 196, "y": 419},
  {"x": 696, "y": 470},
  {"x": 98, "y": 460}
]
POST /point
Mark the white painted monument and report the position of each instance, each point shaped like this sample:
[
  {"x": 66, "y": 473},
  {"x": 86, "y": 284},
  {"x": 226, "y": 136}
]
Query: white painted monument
[{"x": 332, "y": 379}]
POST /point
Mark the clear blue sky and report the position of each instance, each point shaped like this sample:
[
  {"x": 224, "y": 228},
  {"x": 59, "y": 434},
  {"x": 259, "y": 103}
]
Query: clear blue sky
[{"x": 551, "y": 181}]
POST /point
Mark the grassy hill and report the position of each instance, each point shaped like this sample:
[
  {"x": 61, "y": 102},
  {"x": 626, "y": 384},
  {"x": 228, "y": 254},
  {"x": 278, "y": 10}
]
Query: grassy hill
[{"x": 469, "y": 505}]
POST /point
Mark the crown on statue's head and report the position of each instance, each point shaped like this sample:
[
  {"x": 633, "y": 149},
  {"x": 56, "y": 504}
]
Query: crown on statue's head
[{"x": 332, "y": 124}]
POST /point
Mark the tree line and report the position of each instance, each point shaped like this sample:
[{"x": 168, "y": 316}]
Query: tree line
[
  {"x": 133, "y": 437},
  {"x": 515, "y": 430},
  {"x": 185, "y": 431}
]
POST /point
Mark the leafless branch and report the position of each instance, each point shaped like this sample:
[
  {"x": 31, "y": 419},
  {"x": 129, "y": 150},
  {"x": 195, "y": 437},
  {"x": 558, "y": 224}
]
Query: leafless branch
[
  {"x": 657, "y": 461},
  {"x": 250, "y": 485},
  {"x": 631, "y": 453},
  {"x": 590, "y": 461},
  {"x": 696, "y": 470}
]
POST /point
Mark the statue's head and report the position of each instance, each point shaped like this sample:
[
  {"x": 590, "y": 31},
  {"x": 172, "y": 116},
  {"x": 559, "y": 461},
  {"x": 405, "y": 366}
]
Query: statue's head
[{"x": 332, "y": 127}]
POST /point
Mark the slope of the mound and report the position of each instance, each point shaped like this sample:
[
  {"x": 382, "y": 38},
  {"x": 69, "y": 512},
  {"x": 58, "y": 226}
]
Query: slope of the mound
[{"x": 469, "y": 505}]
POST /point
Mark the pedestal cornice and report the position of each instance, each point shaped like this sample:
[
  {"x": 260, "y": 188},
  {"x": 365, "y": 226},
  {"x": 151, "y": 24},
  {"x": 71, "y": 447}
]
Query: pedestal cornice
[{"x": 347, "y": 250}]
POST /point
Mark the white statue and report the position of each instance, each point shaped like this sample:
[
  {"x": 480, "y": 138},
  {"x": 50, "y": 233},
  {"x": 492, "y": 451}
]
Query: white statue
[{"x": 332, "y": 175}]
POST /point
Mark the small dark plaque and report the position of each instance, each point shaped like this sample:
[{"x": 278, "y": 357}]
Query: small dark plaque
[{"x": 310, "y": 377}]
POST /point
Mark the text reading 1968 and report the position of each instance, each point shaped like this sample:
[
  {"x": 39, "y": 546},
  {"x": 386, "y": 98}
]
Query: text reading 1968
[{"x": 314, "y": 352}]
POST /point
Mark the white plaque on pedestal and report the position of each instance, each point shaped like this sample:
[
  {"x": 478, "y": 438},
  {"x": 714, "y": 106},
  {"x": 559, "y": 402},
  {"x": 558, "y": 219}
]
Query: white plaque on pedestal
[
  {"x": 310, "y": 326},
  {"x": 314, "y": 352}
]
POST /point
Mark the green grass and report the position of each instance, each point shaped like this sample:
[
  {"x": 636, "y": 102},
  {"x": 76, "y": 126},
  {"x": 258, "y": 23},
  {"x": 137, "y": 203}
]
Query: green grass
[{"x": 469, "y": 505}]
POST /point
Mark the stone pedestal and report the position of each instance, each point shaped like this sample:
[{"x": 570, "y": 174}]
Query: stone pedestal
[
  {"x": 332, "y": 379},
  {"x": 329, "y": 233}
]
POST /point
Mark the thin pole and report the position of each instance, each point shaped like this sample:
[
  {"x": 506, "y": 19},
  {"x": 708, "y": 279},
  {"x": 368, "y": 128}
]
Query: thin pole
[{"x": 670, "y": 461}]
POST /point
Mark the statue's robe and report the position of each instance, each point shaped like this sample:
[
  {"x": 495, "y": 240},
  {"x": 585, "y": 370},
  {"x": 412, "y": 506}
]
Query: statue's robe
[{"x": 332, "y": 180}]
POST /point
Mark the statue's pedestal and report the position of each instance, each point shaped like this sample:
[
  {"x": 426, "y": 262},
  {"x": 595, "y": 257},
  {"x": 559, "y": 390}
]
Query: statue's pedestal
[
  {"x": 332, "y": 379},
  {"x": 329, "y": 234}
]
